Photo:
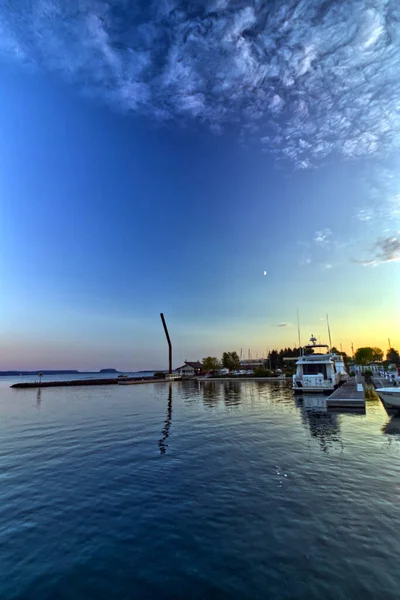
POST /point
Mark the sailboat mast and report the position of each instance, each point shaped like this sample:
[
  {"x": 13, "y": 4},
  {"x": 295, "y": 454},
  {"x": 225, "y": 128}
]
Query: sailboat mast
[
  {"x": 329, "y": 332},
  {"x": 298, "y": 327}
]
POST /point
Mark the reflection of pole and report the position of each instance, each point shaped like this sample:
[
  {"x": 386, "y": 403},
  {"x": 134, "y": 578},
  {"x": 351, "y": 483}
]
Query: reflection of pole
[
  {"x": 165, "y": 432},
  {"x": 169, "y": 343}
]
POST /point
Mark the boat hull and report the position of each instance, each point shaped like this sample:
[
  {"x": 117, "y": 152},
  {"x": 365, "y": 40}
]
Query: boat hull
[
  {"x": 314, "y": 390},
  {"x": 389, "y": 396}
]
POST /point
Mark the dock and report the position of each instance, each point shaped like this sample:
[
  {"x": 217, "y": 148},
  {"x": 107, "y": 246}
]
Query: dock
[
  {"x": 84, "y": 382},
  {"x": 349, "y": 395},
  {"x": 382, "y": 382}
]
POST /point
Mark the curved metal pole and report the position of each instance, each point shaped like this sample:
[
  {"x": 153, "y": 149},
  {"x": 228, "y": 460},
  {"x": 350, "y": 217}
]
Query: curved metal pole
[{"x": 169, "y": 342}]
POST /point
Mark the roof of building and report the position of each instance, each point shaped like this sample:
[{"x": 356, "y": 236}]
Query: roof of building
[{"x": 194, "y": 365}]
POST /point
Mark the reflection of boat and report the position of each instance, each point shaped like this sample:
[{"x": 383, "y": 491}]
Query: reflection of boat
[
  {"x": 390, "y": 396},
  {"x": 392, "y": 427},
  {"x": 322, "y": 424},
  {"x": 317, "y": 403},
  {"x": 316, "y": 372}
]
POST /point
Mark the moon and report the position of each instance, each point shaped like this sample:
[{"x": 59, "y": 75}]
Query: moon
[{"x": 265, "y": 272}]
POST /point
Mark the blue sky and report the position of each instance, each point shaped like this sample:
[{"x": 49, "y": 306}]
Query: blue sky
[{"x": 161, "y": 159}]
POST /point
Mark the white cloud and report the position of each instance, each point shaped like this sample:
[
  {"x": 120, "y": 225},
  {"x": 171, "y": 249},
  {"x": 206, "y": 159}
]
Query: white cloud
[
  {"x": 323, "y": 237},
  {"x": 308, "y": 78},
  {"x": 365, "y": 214}
]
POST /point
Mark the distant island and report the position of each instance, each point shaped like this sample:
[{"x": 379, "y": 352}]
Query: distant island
[
  {"x": 56, "y": 372},
  {"x": 16, "y": 373}
]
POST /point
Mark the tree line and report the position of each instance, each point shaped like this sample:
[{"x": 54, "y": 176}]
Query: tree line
[
  {"x": 367, "y": 355},
  {"x": 275, "y": 359},
  {"x": 231, "y": 360}
]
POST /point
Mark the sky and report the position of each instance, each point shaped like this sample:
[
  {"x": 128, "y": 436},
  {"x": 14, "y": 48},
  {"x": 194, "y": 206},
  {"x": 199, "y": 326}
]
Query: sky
[{"x": 225, "y": 162}]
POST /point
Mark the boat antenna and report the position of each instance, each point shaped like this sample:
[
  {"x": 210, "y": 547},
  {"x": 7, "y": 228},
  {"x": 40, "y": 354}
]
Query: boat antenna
[
  {"x": 298, "y": 327},
  {"x": 329, "y": 332}
]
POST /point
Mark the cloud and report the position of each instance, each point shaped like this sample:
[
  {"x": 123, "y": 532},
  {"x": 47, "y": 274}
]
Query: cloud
[
  {"x": 365, "y": 214},
  {"x": 323, "y": 237},
  {"x": 385, "y": 250},
  {"x": 305, "y": 78},
  {"x": 285, "y": 324}
]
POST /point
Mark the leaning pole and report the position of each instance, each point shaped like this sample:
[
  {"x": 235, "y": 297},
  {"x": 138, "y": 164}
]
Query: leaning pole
[{"x": 169, "y": 343}]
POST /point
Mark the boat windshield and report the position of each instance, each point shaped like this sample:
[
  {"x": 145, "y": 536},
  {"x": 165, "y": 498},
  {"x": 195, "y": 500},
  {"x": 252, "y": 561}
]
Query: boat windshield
[{"x": 314, "y": 369}]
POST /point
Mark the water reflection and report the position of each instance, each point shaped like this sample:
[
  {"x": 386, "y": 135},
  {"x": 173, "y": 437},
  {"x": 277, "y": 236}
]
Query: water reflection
[
  {"x": 232, "y": 393},
  {"x": 162, "y": 444},
  {"x": 211, "y": 393},
  {"x": 322, "y": 424},
  {"x": 38, "y": 397},
  {"x": 392, "y": 427}
]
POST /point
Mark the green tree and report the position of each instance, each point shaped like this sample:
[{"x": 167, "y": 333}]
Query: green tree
[
  {"x": 377, "y": 355},
  {"x": 393, "y": 356},
  {"x": 210, "y": 363},
  {"x": 231, "y": 361},
  {"x": 368, "y": 355}
]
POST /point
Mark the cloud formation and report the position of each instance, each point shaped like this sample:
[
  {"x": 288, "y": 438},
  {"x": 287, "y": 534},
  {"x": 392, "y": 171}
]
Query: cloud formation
[
  {"x": 323, "y": 237},
  {"x": 385, "y": 250},
  {"x": 306, "y": 78}
]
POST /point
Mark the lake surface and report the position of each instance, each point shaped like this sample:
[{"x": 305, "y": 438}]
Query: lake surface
[{"x": 195, "y": 491}]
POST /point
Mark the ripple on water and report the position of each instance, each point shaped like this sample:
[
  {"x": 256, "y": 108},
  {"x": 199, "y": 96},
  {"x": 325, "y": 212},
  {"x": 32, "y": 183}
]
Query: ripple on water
[{"x": 214, "y": 490}]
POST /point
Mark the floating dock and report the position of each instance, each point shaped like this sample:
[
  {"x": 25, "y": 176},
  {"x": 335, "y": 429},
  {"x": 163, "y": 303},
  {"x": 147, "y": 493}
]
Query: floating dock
[
  {"x": 382, "y": 382},
  {"x": 349, "y": 395}
]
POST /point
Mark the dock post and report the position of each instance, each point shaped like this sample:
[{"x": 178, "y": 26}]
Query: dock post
[{"x": 169, "y": 343}]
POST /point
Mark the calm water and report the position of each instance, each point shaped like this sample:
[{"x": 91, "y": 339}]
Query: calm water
[{"x": 217, "y": 490}]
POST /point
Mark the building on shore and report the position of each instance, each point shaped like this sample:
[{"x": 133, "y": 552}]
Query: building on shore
[
  {"x": 190, "y": 369},
  {"x": 251, "y": 364}
]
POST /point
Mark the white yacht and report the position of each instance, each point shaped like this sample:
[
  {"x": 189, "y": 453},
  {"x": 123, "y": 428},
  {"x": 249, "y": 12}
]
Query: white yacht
[
  {"x": 340, "y": 367},
  {"x": 390, "y": 396},
  {"x": 316, "y": 371}
]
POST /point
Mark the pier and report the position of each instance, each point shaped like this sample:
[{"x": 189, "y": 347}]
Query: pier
[
  {"x": 382, "y": 382},
  {"x": 85, "y": 382},
  {"x": 349, "y": 395}
]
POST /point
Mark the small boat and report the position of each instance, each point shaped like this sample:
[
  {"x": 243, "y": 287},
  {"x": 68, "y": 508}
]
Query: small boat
[
  {"x": 390, "y": 396},
  {"x": 173, "y": 376}
]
